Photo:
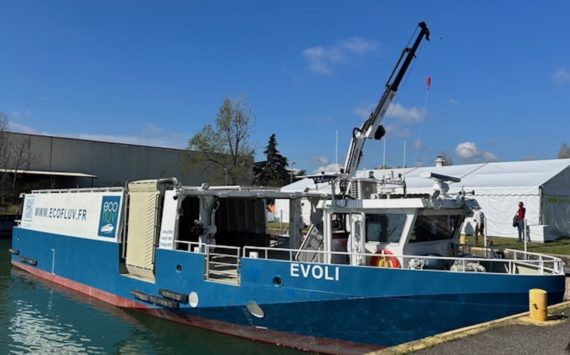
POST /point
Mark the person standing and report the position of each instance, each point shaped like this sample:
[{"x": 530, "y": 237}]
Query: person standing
[
  {"x": 479, "y": 224},
  {"x": 519, "y": 218}
]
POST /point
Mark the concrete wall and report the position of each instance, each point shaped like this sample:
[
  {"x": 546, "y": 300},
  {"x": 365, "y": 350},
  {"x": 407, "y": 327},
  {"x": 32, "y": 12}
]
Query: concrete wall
[{"x": 115, "y": 163}]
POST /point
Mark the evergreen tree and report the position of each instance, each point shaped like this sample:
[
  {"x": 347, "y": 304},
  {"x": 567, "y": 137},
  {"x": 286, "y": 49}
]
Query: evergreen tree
[{"x": 273, "y": 172}]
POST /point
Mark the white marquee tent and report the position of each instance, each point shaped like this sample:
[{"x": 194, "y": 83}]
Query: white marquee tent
[{"x": 542, "y": 185}]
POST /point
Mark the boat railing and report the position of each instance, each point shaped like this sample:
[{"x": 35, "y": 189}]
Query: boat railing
[
  {"x": 519, "y": 263},
  {"x": 189, "y": 246},
  {"x": 222, "y": 261},
  {"x": 525, "y": 257}
]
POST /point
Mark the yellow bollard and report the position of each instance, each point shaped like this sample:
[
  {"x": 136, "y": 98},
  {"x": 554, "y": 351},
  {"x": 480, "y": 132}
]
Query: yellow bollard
[{"x": 538, "y": 305}]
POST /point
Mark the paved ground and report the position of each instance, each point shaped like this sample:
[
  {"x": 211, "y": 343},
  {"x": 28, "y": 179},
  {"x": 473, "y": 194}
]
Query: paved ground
[
  {"x": 512, "y": 335},
  {"x": 512, "y": 339}
]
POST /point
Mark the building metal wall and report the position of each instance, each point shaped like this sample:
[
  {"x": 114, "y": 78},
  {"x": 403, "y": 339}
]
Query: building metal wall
[{"x": 113, "y": 163}]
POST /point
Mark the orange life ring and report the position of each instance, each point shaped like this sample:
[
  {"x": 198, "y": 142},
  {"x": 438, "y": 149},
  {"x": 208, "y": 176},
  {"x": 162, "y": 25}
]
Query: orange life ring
[{"x": 385, "y": 258}]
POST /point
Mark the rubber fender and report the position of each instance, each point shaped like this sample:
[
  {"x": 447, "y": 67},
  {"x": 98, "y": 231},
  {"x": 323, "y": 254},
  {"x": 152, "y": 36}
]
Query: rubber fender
[
  {"x": 157, "y": 300},
  {"x": 28, "y": 261},
  {"x": 177, "y": 296},
  {"x": 140, "y": 296}
]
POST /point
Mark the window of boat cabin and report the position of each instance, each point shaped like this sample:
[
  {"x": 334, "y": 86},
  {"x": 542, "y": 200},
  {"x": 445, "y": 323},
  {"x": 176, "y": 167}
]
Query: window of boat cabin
[
  {"x": 432, "y": 228},
  {"x": 384, "y": 228},
  {"x": 338, "y": 224}
]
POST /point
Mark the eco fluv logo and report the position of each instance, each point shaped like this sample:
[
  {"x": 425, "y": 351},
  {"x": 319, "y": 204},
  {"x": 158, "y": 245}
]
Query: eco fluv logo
[
  {"x": 109, "y": 216},
  {"x": 29, "y": 208}
]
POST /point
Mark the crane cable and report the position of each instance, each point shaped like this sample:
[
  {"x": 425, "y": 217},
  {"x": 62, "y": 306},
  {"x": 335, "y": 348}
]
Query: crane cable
[{"x": 423, "y": 112}]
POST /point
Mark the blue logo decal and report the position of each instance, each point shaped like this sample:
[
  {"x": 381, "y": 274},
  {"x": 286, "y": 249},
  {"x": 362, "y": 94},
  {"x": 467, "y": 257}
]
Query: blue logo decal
[
  {"x": 109, "y": 216},
  {"x": 29, "y": 208}
]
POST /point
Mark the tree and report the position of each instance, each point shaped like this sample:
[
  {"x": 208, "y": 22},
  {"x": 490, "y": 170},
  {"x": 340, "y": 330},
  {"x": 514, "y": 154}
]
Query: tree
[
  {"x": 20, "y": 159},
  {"x": 15, "y": 156},
  {"x": 273, "y": 171},
  {"x": 3, "y": 139},
  {"x": 564, "y": 152},
  {"x": 226, "y": 145},
  {"x": 4, "y": 154}
]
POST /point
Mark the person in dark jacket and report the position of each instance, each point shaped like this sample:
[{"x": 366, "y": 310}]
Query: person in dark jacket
[{"x": 519, "y": 217}]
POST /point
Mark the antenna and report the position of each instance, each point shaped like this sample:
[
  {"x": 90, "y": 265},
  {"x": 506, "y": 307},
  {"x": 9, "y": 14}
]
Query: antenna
[
  {"x": 404, "y": 153},
  {"x": 336, "y": 148},
  {"x": 440, "y": 186},
  {"x": 384, "y": 155}
]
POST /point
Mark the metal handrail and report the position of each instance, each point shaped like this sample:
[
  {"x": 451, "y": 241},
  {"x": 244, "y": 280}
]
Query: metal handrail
[
  {"x": 214, "y": 251},
  {"x": 189, "y": 244},
  {"x": 539, "y": 265},
  {"x": 542, "y": 264}
]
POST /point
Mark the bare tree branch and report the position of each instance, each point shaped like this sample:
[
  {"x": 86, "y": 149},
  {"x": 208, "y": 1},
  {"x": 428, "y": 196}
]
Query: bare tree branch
[{"x": 226, "y": 146}]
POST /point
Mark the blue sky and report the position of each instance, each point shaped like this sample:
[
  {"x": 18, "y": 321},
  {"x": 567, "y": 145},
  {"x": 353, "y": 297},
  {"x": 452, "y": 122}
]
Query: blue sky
[{"x": 155, "y": 73}]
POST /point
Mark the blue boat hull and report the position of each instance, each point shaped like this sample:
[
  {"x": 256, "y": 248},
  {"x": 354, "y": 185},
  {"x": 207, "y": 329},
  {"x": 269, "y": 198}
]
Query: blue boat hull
[{"x": 340, "y": 304}]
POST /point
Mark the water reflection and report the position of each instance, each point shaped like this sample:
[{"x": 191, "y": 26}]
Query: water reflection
[{"x": 41, "y": 317}]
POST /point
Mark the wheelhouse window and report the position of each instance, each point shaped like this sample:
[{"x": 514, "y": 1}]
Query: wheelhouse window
[
  {"x": 384, "y": 228},
  {"x": 432, "y": 228}
]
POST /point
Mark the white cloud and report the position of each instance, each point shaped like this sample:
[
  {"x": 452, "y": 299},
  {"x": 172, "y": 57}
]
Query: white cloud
[
  {"x": 321, "y": 159},
  {"x": 320, "y": 59},
  {"x": 357, "y": 45},
  {"x": 562, "y": 75},
  {"x": 396, "y": 131},
  {"x": 330, "y": 168},
  {"x": 324, "y": 165},
  {"x": 469, "y": 152},
  {"x": 419, "y": 145},
  {"x": 401, "y": 113},
  {"x": 16, "y": 127},
  {"x": 454, "y": 102},
  {"x": 20, "y": 114},
  {"x": 406, "y": 114},
  {"x": 363, "y": 111}
]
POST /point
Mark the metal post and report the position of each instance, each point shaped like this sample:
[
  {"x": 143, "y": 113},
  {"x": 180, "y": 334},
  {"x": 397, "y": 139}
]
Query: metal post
[
  {"x": 53, "y": 261},
  {"x": 336, "y": 148},
  {"x": 291, "y": 171},
  {"x": 525, "y": 237},
  {"x": 384, "y": 155},
  {"x": 404, "y": 153},
  {"x": 485, "y": 236}
]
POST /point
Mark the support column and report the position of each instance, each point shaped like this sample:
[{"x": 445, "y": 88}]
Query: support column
[{"x": 295, "y": 223}]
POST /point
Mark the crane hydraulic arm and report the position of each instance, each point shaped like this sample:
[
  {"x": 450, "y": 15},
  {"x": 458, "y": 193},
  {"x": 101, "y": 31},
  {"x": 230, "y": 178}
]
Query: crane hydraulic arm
[{"x": 371, "y": 128}]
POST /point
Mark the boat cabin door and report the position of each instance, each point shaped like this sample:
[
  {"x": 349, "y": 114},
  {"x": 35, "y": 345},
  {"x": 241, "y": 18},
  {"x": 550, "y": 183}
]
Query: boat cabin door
[{"x": 357, "y": 239}]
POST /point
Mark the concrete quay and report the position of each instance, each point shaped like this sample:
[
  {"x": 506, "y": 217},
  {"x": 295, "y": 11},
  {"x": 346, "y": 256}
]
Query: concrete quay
[{"x": 516, "y": 334}]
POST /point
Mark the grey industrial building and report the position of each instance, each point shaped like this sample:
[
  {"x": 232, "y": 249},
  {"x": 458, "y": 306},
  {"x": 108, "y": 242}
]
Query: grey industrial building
[{"x": 69, "y": 162}]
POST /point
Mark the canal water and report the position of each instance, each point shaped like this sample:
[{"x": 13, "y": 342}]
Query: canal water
[{"x": 40, "y": 317}]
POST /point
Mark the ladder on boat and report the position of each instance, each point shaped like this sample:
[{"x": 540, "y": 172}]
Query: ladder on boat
[
  {"x": 222, "y": 264},
  {"x": 308, "y": 252}
]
